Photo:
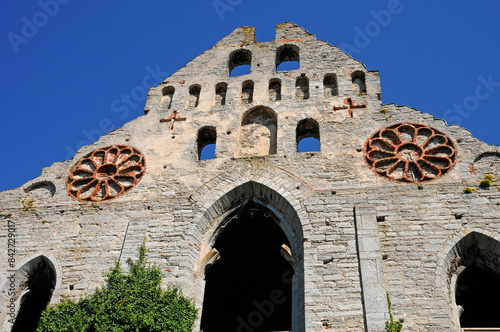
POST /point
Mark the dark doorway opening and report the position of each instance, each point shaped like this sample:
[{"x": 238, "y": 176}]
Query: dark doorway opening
[
  {"x": 478, "y": 292},
  {"x": 41, "y": 281},
  {"x": 250, "y": 286}
]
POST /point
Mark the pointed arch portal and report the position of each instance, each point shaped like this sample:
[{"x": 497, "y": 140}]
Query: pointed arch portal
[
  {"x": 252, "y": 261},
  {"x": 471, "y": 270},
  {"x": 38, "y": 280},
  {"x": 250, "y": 286}
]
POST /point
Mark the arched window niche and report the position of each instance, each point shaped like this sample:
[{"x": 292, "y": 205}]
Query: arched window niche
[
  {"x": 240, "y": 63},
  {"x": 307, "y": 136},
  {"x": 220, "y": 94},
  {"x": 253, "y": 261},
  {"x": 358, "y": 83},
  {"x": 275, "y": 89},
  {"x": 194, "y": 95},
  {"x": 287, "y": 58},
  {"x": 473, "y": 277},
  {"x": 35, "y": 282},
  {"x": 258, "y": 132},
  {"x": 330, "y": 86},
  {"x": 167, "y": 95},
  {"x": 206, "y": 140},
  {"x": 247, "y": 92},
  {"x": 302, "y": 87}
]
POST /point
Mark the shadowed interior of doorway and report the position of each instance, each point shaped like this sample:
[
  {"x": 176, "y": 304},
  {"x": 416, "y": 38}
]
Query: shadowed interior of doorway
[
  {"x": 250, "y": 287},
  {"x": 40, "y": 284},
  {"x": 478, "y": 292}
]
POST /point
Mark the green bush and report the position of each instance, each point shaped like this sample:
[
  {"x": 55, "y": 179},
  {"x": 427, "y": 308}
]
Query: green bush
[{"x": 133, "y": 302}]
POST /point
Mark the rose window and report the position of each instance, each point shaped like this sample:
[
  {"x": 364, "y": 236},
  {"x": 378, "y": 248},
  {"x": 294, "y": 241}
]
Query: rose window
[
  {"x": 410, "y": 152},
  {"x": 106, "y": 173}
]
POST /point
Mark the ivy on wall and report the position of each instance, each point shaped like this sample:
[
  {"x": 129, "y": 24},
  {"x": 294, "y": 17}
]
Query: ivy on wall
[
  {"x": 391, "y": 325},
  {"x": 133, "y": 302}
]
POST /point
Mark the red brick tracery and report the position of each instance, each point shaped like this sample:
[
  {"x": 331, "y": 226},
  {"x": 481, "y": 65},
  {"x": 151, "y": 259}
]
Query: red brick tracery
[
  {"x": 105, "y": 173},
  {"x": 410, "y": 152}
]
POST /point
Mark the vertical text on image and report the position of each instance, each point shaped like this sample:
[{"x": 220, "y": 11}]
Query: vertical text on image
[{"x": 11, "y": 273}]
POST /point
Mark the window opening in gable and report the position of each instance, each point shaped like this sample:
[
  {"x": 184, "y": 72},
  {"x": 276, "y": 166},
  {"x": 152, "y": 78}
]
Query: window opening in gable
[
  {"x": 307, "y": 136},
  {"x": 240, "y": 63},
  {"x": 302, "y": 88},
  {"x": 358, "y": 83},
  {"x": 275, "y": 89},
  {"x": 330, "y": 85},
  {"x": 247, "y": 92},
  {"x": 194, "y": 95},
  {"x": 220, "y": 94},
  {"x": 167, "y": 95},
  {"x": 287, "y": 58},
  {"x": 258, "y": 133},
  {"x": 207, "y": 137}
]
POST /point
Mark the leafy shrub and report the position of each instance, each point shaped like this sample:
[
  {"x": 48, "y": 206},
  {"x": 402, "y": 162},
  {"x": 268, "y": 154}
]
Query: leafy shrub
[{"x": 133, "y": 302}]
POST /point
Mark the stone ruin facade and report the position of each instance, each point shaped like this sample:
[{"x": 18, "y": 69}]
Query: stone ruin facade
[{"x": 264, "y": 237}]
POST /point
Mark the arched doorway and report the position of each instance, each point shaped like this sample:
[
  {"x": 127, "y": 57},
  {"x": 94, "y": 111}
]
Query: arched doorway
[
  {"x": 39, "y": 282},
  {"x": 478, "y": 294},
  {"x": 250, "y": 287},
  {"x": 471, "y": 272}
]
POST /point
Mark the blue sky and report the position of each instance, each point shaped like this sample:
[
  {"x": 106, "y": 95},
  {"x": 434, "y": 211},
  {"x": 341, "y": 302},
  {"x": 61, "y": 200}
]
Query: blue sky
[{"x": 72, "y": 70}]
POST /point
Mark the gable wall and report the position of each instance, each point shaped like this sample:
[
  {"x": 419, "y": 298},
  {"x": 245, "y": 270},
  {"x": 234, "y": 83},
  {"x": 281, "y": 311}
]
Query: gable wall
[{"x": 325, "y": 188}]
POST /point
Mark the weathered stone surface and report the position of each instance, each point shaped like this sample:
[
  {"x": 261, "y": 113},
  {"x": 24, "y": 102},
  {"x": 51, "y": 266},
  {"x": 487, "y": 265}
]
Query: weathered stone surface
[{"x": 339, "y": 216}]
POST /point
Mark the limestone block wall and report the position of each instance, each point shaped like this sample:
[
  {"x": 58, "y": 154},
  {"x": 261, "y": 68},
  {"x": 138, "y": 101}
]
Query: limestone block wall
[{"x": 354, "y": 234}]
